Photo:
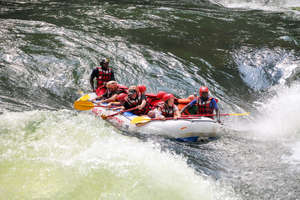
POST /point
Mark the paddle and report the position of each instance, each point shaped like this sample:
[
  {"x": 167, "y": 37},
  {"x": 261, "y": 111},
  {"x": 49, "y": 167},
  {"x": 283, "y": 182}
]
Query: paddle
[
  {"x": 122, "y": 111},
  {"x": 85, "y": 105},
  {"x": 143, "y": 119},
  {"x": 224, "y": 114},
  {"x": 84, "y": 98}
]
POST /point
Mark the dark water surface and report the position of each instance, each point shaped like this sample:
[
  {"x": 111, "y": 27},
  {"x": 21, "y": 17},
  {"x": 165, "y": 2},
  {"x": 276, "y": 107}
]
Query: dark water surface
[{"x": 246, "y": 52}]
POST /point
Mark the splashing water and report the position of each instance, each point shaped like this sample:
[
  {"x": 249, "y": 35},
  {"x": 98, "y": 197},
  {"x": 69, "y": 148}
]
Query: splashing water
[
  {"x": 259, "y": 4},
  {"x": 278, "y": 117},
  {"x": 64, "y": 155}
]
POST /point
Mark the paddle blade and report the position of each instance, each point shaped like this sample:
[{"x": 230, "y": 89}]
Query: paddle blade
[
  {"x": 84, "y": 98},
  {"x": 83, "y": 105},
  {"x": 239, "y": 114},
  {"x": 140, "y": 119}
]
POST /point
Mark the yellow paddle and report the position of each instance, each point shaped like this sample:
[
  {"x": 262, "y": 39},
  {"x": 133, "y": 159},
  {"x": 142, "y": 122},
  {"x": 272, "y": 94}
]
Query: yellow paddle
[
  {"x": 235, "y": 114},
  {"x": 140, "y": 119},
  {"x": 84, "y": 98},
  {"x": 85, "y": 105}
]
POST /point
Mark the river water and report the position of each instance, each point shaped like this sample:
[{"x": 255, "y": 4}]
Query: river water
[{"x": 245, "y": 51}]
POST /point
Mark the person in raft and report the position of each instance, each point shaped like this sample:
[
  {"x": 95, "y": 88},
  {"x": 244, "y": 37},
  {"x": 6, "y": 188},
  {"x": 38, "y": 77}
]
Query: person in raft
[
  {"x": 120, "y": 100},
  {"x": 113, "y": 90},
  {"x": 205, "y": 105},
  {"x": 165, "y": 109},
  {"x": 103, "y": 74},
  {"x": 136, "y": 98}
]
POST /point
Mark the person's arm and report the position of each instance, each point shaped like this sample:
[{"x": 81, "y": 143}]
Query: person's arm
[
  {"x": 216, "y": 108},
  {"x": 177, "y": 113},
  {"x": 142, "y": 105},
  {"x": 218, "y": 115},
  {"x": 112, "y": 75},
  {"x": 125, "y": 105},
  {"x": 97, "y": 98},
  {"x": 93, "y": 75},
  {"x": 112, "y": 104},
  {"x": 188, "y": 105},
  {"x": 112, "y": 98},
  {"x": 158, "y": 114}
]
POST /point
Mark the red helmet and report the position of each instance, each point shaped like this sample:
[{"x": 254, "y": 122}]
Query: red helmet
[
  {"x": 142, "y": 88},
  {"x": 203, "y": 89},
  {"x": 121, "y": 97},
  {"x": 161, "y": 94},
  {"x": 166, "y": 97}
]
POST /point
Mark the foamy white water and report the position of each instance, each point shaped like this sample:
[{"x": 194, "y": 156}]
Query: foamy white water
[
  {"x": 59, "y": 155},
  {"x": 259, "y": 4}
]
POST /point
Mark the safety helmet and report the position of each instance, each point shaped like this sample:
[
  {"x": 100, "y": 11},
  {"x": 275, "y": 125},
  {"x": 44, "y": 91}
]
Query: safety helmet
[
  {"x": 203, "y": 89},
  {"x": 142, "y": 88},
  {"x": 160, "y": 94},
  {"x": 166, "y": 97},
  {"x": 121, "y": 97}
]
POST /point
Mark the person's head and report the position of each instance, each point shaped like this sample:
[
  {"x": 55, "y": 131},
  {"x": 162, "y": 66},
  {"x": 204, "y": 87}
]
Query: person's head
[
  {"x": 142, "y": 88},
  {"x": 168, "y": 99},
  {"x": 132, "y": 92},
  {"x": 161, "y": 94},
  {"x": 203, "y": 92},
  {"x": 112, "y": 85},
  {"x": 104, "y": 62}
]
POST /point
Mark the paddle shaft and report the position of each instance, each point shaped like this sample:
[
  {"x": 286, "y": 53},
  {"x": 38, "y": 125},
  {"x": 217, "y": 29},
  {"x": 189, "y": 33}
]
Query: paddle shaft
[
  {"x": 122, "y": 111},
  {"x": 197, "y": 116},
  {"x": 96, "y": 106}
]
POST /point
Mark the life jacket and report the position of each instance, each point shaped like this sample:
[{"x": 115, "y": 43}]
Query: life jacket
[
  {"x": 108, "y": 94},
  {"x": 204, "y": 107},
  {"x": 138, "y": 101},
  {"x": 182, "y": 103},
  {"x": 166, "y": 110},
  {"x": 153, "y": 100},
  {"x": 133, "y": 102},
  {"x": 103, "y": 76},
  {"x": 192, "y": 110},
  {"x": 100, "y": 91}
]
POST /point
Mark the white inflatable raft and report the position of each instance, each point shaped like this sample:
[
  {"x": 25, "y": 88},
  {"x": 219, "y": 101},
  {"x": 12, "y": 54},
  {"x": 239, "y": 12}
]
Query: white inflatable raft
[{"x": 181, "y": 129}]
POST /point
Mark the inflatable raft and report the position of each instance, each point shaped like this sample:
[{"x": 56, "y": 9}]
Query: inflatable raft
[{"x": 180, "y": 129}]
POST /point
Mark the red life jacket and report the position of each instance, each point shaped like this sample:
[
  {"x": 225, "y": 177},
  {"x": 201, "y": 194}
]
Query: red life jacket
[
  {"x": 108, "y": 94},
  {"x": 153, "y": 100},
  {"x": 204, "y": 107},
  {"x": 138, "y": 101},
  {"x": 103, "y": 76},
  {"x": 166, "y": 110}
]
